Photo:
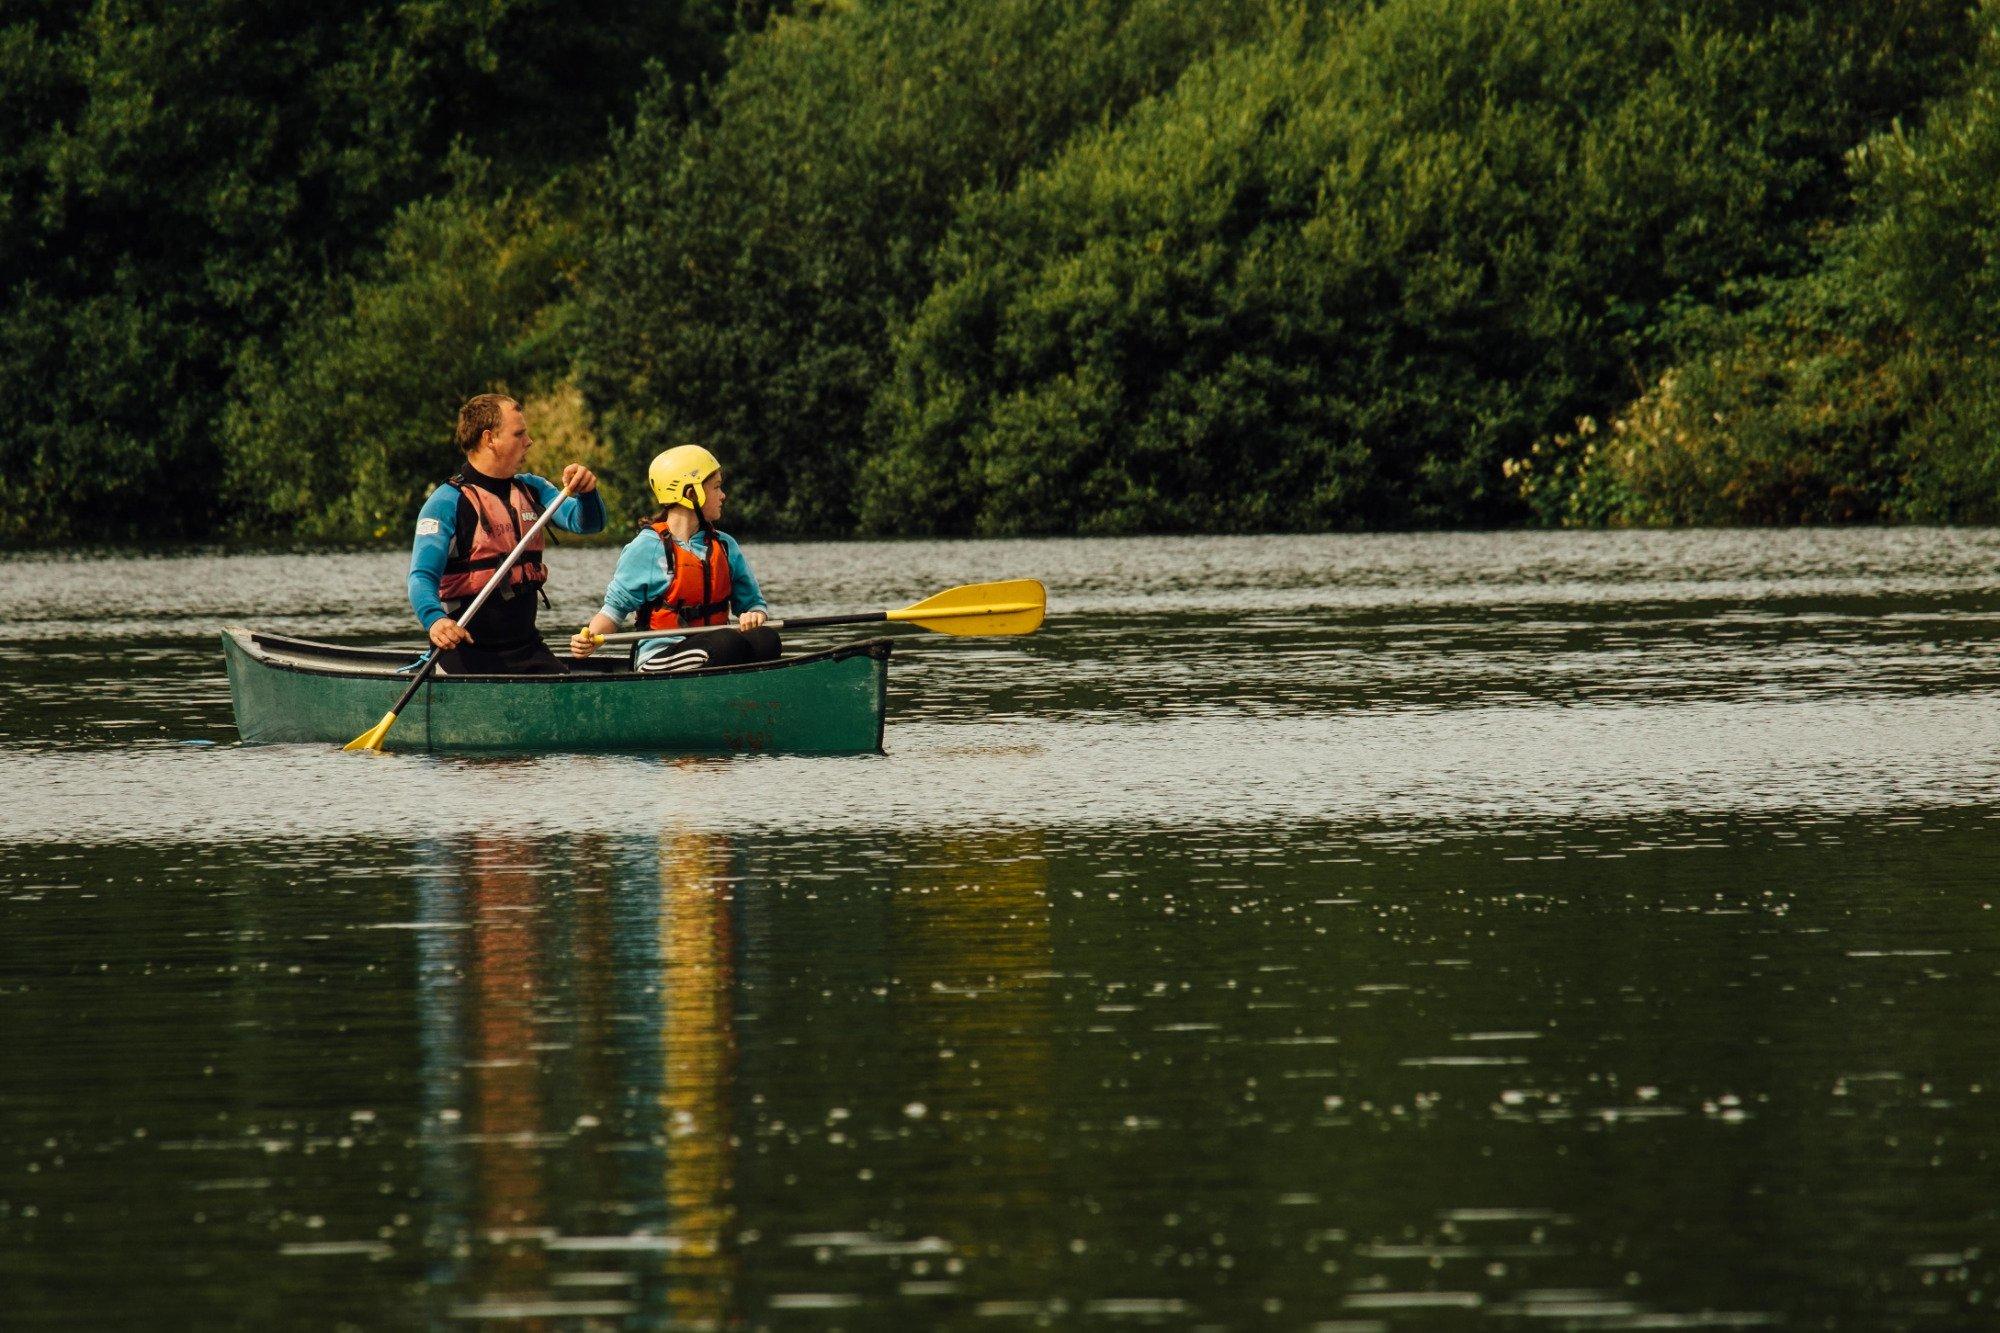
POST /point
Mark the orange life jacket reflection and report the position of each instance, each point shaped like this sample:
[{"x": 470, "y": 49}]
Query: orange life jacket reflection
[
  {"x": 496, "y": 531},
  {"x": 698, "y": 593}
]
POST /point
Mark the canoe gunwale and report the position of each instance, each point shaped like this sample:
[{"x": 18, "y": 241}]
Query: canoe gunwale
[{"x": 254, "y": 645}]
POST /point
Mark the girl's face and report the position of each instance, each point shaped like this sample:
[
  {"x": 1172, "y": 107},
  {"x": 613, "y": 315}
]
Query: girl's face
[{"x": 711, "y": 507}]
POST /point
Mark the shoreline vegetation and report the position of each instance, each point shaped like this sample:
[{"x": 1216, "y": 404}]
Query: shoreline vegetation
[{"x": 1028, "y": 266}]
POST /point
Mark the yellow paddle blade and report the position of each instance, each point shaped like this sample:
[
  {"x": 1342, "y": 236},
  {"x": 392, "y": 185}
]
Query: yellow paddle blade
[
  {"x": 371, "y": 739},
  {"x": 1014, "y": 606}
]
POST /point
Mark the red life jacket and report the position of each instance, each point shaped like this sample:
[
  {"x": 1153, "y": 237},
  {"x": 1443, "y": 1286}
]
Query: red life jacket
[
  {"x": 496, "y": 530},
  {"x": 698, "y": 593}
]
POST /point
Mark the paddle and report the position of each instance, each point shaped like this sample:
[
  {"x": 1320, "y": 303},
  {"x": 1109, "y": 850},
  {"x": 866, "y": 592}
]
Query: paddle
[
  {"x": 1014, "y": 606},
  {"x": 371, "y": 739}
]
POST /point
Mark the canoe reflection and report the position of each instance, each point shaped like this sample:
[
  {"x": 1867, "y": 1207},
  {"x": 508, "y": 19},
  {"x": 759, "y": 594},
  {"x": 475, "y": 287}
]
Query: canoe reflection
[
  {"x": 616, "y": 1035},
  {"x": 579, "y": 1056},
  {"x": 698, "y": 1053}
]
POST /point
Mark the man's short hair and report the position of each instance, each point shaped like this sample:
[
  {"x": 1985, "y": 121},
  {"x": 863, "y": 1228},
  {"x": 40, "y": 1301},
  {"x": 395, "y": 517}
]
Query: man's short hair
[{"x": 480, "y": 414}]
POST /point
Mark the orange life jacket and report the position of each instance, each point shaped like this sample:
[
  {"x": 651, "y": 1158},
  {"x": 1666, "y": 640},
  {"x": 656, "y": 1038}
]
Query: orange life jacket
[
  {"x": 496, "y": 530},
  {"x": 698, "y": 593}
]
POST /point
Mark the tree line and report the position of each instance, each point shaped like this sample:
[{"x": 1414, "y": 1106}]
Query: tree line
[{"x": 1025, "y": 266}]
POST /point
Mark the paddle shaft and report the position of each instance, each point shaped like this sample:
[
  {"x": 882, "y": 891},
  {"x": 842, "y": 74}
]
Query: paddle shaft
[
  {"x": 796, "y": 622},
  {"x": 1012, "y": 606},
  {"x": 423, "y": 672}
]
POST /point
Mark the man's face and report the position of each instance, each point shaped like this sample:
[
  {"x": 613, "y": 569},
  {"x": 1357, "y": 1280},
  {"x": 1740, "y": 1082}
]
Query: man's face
[{"x": 509, "y": 441}]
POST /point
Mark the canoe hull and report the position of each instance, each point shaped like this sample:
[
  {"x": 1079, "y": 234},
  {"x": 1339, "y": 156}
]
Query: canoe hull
[{"x": 295, "y": 691}]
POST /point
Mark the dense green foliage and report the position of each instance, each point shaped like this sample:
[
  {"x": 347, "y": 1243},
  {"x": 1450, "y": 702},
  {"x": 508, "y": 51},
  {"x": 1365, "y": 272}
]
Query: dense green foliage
[
  {"x": 1018, "y": 266},
  {"x": 761, "y": 260},
  {"x": 1336, "y": 281},
  {"x": 1863, "y": 388},
  {"x": 179, "y": 182},
  {"x": 342, "y": 428}
]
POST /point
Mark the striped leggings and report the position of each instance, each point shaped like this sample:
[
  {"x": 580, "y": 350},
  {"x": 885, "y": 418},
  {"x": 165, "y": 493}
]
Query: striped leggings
[{"x": 713, "y": 650}]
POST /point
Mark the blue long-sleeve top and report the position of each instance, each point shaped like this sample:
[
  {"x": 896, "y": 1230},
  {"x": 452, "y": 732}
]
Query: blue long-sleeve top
[
  {"x": 437, "y": 526},
  {"x": 644, "y": 572}
]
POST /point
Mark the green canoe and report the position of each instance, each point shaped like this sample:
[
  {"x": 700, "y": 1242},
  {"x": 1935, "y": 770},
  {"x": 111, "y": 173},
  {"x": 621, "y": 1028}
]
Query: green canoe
[{"x": 817, "y": 703}]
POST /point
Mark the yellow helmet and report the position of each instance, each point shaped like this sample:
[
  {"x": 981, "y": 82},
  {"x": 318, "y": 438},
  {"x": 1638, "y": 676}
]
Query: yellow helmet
[{"x": 677, "y": 475}]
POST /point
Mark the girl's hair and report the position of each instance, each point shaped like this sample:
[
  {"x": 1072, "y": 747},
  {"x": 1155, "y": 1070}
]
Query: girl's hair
[{"x": 660, "y": 516}]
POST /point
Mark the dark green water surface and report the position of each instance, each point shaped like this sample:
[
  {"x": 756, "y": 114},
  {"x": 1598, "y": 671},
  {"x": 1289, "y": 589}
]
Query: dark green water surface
[{"x": 1494, "y": 931}]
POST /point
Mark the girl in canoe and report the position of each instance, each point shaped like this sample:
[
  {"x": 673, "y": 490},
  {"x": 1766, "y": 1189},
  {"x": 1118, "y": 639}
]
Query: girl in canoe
[{"x": 680, "y": 572}]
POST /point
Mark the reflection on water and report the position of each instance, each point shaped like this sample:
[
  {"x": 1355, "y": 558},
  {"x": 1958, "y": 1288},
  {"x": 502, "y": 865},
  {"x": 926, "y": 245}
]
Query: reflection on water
[
  {"x": 697, "y": 1045},
  {"x": 1712, "y": 1074},
  {"x": 973, "y": 946},
  {"x": 1587, "y": 931},
  {"x": 584, "y": 1119},
  {"x": 579, "y": 1057}
]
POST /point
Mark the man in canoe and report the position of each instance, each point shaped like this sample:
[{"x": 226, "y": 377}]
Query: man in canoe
[
  {"x": 680, "y": 572},
  {"x": 467, "y": 528}
]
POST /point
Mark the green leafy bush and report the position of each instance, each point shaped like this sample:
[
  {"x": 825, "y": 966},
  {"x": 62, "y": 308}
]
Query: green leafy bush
[
  {"x": 344, "y": 427},
  {"x": 762, "y": 256},
  {"x": 1337, "y": 279},
  {"x": 1792, "y": 412},
  {"x": 1017, "y": 266},
  {"x": 178, "y": 182},
  {"x": 1864, "y": 388}
]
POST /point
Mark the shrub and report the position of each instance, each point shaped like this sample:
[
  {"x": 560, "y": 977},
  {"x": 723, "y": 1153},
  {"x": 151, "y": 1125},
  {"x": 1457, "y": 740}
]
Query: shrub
[
  {"x": 762, "y": 257},
  {"x": 1336, "y": 279},
  {"x": 178, "y": 182},
  {"x": 343, "y": 429},
  {"x": 1861, "y": 389}
]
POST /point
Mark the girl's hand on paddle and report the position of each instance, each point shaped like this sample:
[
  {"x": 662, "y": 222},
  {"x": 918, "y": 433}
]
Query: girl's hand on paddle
[
  {"x": 447, "y": 634},
  {"x": 582, "y": 643},
  {"x": 579, "y": 479},
  {"x": 752, "y": 619}
]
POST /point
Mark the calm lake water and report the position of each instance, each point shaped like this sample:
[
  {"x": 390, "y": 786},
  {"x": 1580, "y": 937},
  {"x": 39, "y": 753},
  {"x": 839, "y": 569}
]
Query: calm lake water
[{"x": 1535, "y": 931}]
